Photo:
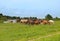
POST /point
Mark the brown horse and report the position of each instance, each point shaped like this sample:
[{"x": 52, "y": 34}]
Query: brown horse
[
  {"x": 37, "y": 21},
  {"x": 33, "y": 21},
  {"x": 44, "y": 22},
  {"x": 30, "y": 21}
]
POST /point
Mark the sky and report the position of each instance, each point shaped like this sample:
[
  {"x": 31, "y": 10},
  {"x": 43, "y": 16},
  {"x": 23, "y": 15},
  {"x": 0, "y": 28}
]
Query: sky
[{"x": 27, "y": 8}]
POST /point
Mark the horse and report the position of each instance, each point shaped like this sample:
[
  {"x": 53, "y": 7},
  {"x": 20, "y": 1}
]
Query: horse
[
  {"x": 37, "y": 21},
  {"x": 30, "y": 21},
  {"x": 51, "y": 22},
  {"x": 24, "y": 21},
  {"x": 44, "y": 21}
]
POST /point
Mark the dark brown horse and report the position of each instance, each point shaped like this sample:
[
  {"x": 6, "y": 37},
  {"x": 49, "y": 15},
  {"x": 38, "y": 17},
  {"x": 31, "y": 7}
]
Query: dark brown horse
[
  {"x": 30, "y": 21},
  {"x": 33, "y": 21}
]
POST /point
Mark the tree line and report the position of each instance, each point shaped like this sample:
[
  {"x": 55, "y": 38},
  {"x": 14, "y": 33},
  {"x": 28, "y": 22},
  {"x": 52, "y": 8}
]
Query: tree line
[{"x": 4, "y": 17}]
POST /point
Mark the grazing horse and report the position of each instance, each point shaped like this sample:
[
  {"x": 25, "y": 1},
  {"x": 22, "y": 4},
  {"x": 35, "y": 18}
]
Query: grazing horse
[
  {"x": 33, "y": 21},
  {"x": 40, "y": 21},
  {"x": 44, "y": 21},
  {"x": 18, "y": 20},
  {"x": 37, "y": 21},
  {"x": 30, "y": 21},
  {"x": 51, "y": 22},
  {"x": 24, "y": 21}
]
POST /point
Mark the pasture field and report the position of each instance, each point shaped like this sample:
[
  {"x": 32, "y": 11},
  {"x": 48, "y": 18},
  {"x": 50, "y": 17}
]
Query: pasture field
[{"x": 25, "y": 32}]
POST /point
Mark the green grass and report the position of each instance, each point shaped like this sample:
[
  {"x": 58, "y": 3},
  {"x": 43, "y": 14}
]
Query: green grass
[
  {"x": 52, "y": 38},
  {"x": 22, "y": 32}
]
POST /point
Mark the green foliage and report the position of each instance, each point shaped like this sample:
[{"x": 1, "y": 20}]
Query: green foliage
[
  {"x": 33, "y": 17},
  {"x": 56, "y": 18},
  {"x": 1, "y": 14},
  {"x": 48, "y": 17},
  {"x": 4, "y": 17}
]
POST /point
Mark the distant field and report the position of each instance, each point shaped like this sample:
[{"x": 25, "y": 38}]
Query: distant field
[{"x": 23, "y": 32}]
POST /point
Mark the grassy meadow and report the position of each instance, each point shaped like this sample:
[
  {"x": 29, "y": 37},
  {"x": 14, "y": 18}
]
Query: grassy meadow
[{"x": 25, "y": 32}]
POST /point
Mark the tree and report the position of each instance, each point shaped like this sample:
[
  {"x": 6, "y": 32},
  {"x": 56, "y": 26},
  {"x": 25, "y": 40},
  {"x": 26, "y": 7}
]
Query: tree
[
  {"x": 1, "y": 14},
  {"x": 2, "y": 18},
  {"x": 26, "y": 18},
  {"x": 56, "y": 18},
  {"x": 48, "y": 17},
  {"x": 33, "y": 18}
]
